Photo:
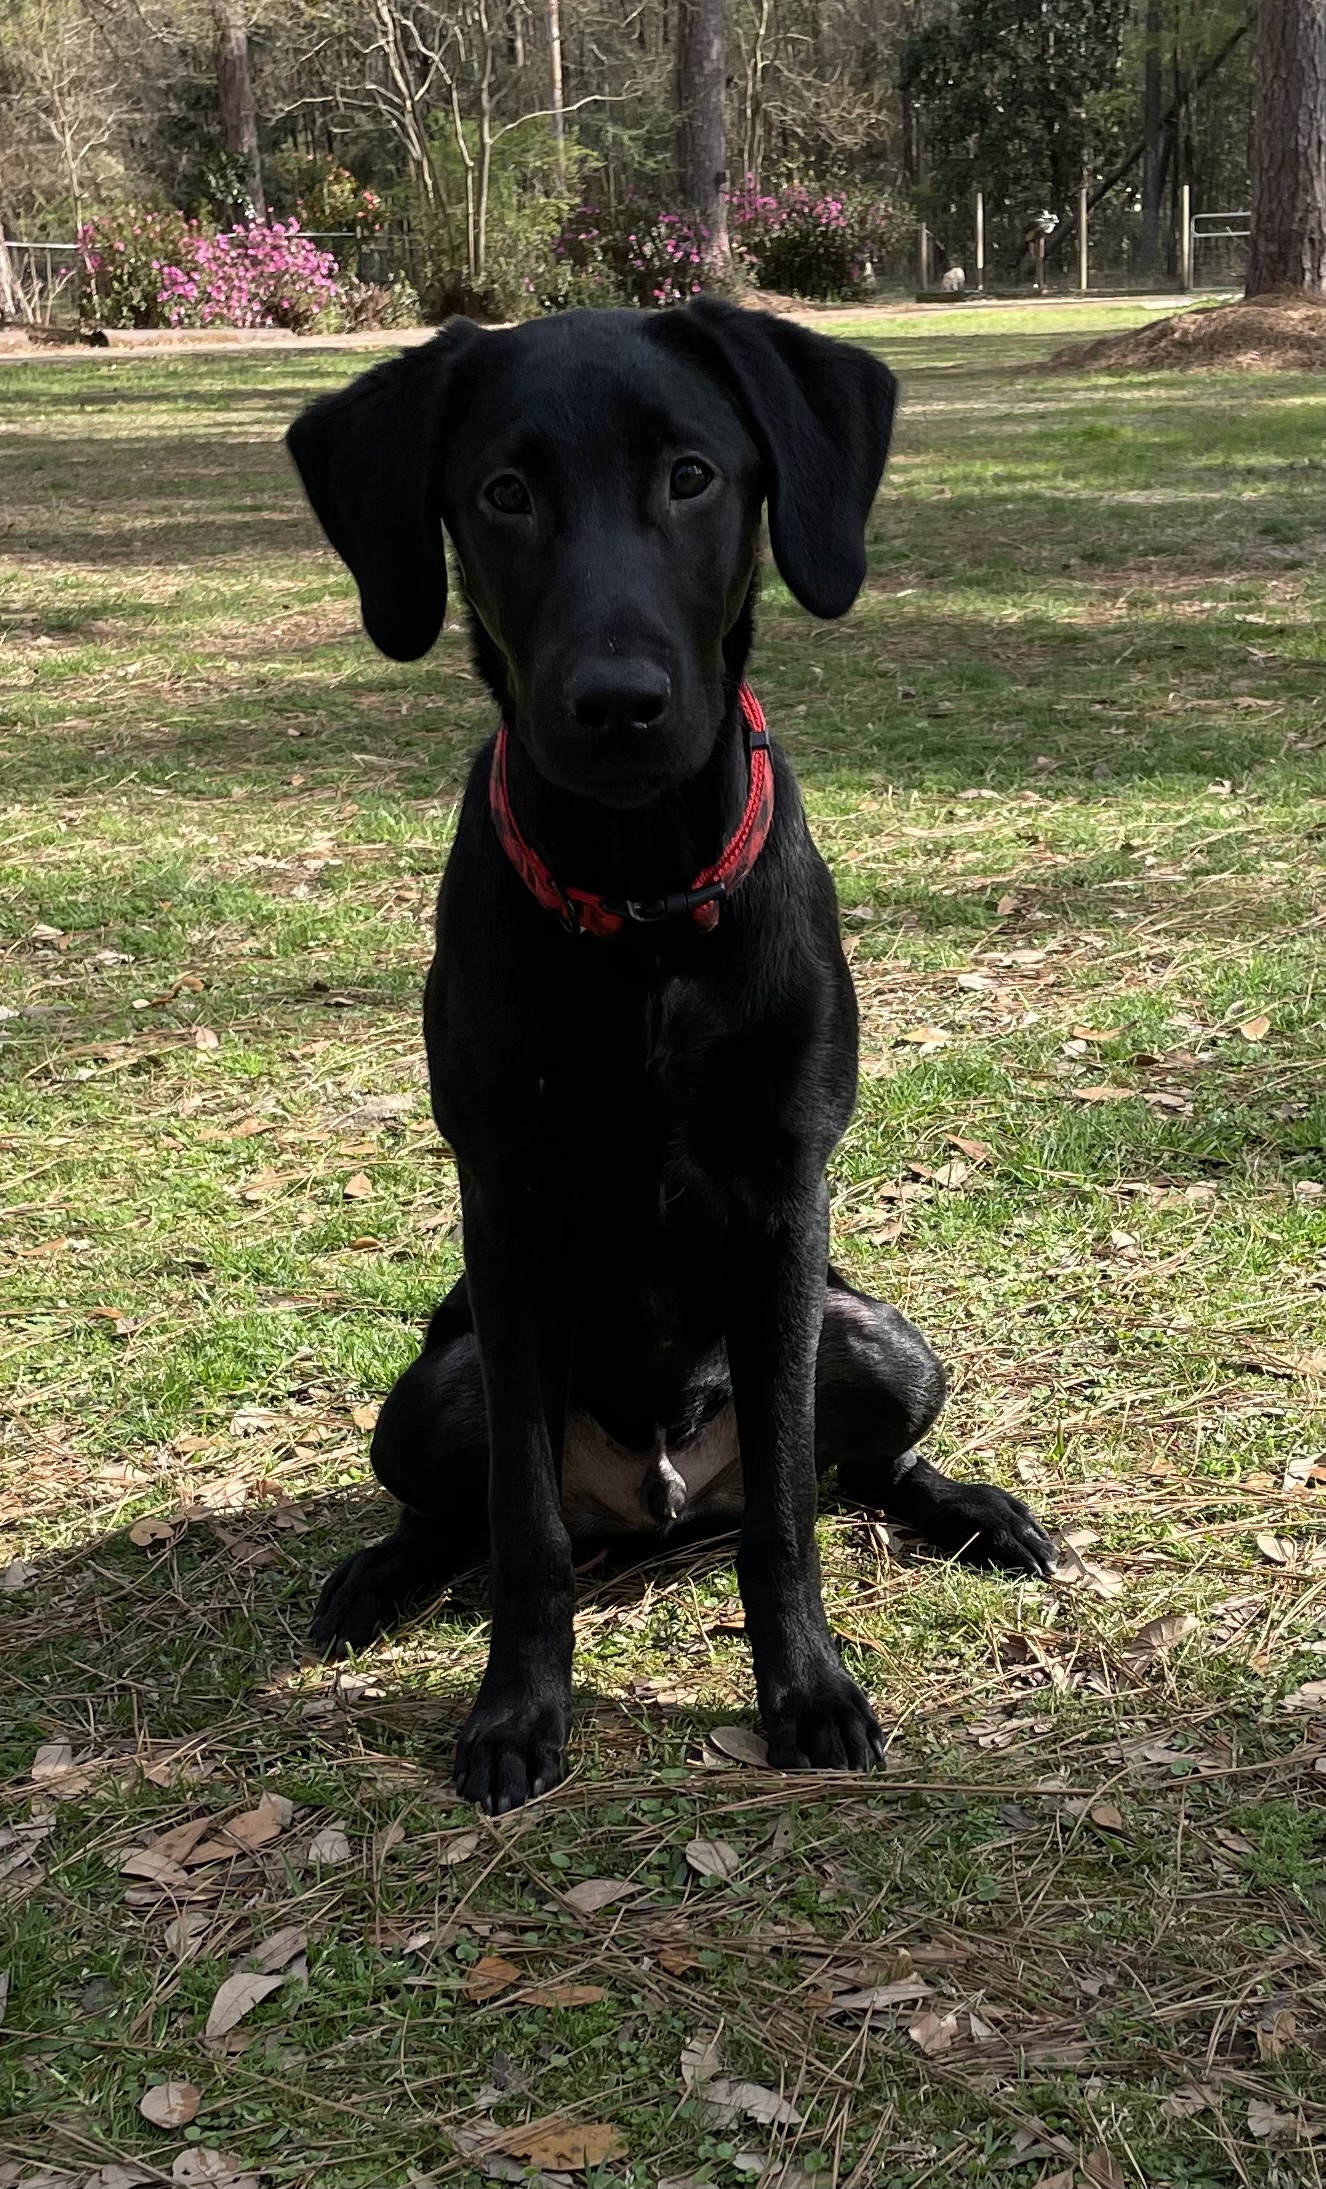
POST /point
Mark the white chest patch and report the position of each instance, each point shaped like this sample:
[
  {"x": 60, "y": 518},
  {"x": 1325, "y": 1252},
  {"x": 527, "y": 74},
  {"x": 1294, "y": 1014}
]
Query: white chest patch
[{"x": 607, "y": 1489}]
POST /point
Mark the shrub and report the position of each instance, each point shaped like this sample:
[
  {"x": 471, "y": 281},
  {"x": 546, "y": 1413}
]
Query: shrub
[
  {"x": 629, "y": 256},
  {"x": 813, "y": 242},
  {"x": 326, "y": 196},
  {"x": 264, "y": 275},
  {"x": 139, "y": 268},
  {"x": 363, "y": 306},
  {"x": 121, "y": 258}
]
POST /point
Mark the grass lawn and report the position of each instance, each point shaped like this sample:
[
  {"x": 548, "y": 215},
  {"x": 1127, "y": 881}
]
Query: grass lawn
[{"x": 1068, "y": 761}]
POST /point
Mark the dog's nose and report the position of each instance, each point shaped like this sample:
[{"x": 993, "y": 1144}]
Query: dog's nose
[{"x": 619, "y": 695}]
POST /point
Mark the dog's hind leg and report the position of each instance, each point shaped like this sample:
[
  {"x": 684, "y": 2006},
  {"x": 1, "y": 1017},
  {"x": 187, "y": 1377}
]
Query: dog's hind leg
[
  {"x": 430, "y": 1449},
  {"x": 878, "y": 1389}
]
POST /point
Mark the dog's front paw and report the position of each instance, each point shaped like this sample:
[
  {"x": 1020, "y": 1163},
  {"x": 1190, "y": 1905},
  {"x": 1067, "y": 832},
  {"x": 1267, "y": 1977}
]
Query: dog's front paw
[
  {"x": 981, "y": 1525},
  {"x": 509, "y": 1752},
  {"x": 366, "y": 1595},
  {"x": 823, "y": 1723}
]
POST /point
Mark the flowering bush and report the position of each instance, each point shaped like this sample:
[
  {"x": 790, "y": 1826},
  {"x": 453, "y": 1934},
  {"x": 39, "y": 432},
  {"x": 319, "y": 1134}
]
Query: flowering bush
[
  {"x": 121, "y": 257},
  {"x": 146, "y": 269},
  {"x": 812, "y": 242},
  {"x": 264, "y": 275},
  {"x": 328, "y": 197},
  {"x": 632, "y": 256}
]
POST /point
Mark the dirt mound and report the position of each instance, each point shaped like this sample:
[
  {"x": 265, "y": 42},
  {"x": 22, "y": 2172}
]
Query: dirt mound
[{"x": 1282, "y": 332}]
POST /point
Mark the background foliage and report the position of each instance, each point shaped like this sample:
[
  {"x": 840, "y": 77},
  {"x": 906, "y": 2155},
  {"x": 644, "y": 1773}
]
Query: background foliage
[{"x": 429, "y": 121}]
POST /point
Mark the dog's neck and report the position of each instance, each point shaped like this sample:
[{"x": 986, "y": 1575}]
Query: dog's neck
[{"x": 640, "y": 851}]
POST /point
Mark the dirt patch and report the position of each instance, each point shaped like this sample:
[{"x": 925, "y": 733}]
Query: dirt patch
[{"x": 1282, "y": 332}]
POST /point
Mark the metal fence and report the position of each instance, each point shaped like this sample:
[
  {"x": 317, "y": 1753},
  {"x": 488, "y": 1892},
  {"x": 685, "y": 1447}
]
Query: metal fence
[
  {"x": 1101, "y": 249},
  {"x": 1220, "y": 250},
  {"x": 42, "y": 285},
  {"x": 37, "y": 278}
]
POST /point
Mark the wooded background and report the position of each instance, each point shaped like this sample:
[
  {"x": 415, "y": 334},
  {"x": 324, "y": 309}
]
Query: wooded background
[{"x": 513, "y": 113}]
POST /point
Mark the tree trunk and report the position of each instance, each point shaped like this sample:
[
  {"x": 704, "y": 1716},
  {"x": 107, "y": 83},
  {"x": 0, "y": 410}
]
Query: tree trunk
[
  {"x": 702, "y": 122},
  {"x": 1287, "y": 249},
  {"x": 239, "y": 125},
  {"x": 558, "y": 105},
  {"x": 1152, "y": 181}
]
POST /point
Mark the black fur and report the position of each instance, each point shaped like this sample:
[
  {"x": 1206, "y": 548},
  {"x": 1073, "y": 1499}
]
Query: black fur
[{"x": 641, "y": 1123}]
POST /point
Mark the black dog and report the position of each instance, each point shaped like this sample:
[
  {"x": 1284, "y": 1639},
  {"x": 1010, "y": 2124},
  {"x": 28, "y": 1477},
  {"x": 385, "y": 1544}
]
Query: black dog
[{"x": 642, "y": 1080}]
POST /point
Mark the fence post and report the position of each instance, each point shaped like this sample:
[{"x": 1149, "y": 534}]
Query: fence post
[
  {"x": 980, "y": 241},
  {"x": 924, "y": 254},
  {"x": 1082, "y": 253},
  {"x": 1185, "y": 236}
]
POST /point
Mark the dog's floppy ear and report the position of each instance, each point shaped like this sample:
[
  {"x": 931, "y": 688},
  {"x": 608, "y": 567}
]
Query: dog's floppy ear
[
  {"x": 821, "y": 412},
  {"x": 368, "y": 457}
]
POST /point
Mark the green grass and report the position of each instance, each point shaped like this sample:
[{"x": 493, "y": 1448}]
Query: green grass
[{"x": 1068, "y": 760}]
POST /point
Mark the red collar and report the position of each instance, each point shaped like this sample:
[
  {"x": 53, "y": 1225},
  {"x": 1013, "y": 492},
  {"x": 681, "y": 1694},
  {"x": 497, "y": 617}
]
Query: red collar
[{"x": 582, "y": 911}]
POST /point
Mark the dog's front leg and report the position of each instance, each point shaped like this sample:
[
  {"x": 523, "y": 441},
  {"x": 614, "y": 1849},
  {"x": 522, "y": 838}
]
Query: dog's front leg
[
  {"x": 511, "y": 1746},
  {"x": 815, "y": 1717}
]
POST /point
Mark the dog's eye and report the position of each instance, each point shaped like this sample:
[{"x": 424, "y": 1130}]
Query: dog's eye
[
  {"x": 689, "y": 478},
  {"x": 510, "y": 495}
]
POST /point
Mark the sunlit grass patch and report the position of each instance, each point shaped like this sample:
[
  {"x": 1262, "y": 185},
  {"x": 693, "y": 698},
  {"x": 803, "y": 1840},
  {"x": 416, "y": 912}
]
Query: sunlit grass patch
[{"x": 1067, "y": 763}]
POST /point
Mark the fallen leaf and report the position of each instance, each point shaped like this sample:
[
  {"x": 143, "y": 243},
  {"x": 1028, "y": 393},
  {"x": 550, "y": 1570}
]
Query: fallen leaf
[
  {"x": 1311, "y": 1696},
  {"x": 740, "y": 1743},
  {"x": 933, "y": 2033},
  {"x": 179, "y": 1842},
  {"x": 1277, "y": 1550},
  {"x": 713, "y": 1857},
  {"x": 490, "y": 1975},
  {"x": 201, "y": 2167},
  {"x": 597, "y": 1892},
  {"x": 976, "y": 1151},
  {"x": 1103, "y": 1093},
  {"x": 170, "y": 2105},
  {"x": 185, "y": 1931},
  {"x": 245, "y": 1834},
  {"x": 1159, "y": 1635},
  {"x": 1235, "y": 1841},
  {"x": 1276, "y": 2032},
  {"x": 115, "y": 2176},
  {"x": 1066, "y": 2178},
  {"x": 4, "y": 1997},
  {"x": 281, "y": 1948},
  {"x": 563, "y": 1995},
  {"x": 1097, "y": 1033},
  {"x": 927, "y": 1037},
  {"x": 1103, "y": 2169},
  {"x": 1190, "y": 2098},
  {"x": 19, "y": 1574},
  {"x": 678, "y": 1960},
  {"x": 735, "y": 2099},
  {"x": 1106, "y": 1817},
  {"x": 387, "y": 1841},
  {"x": 330, "y": 1846},
  {"x": 155, "y": 1529},
  {"x": 206, "y": 1038},
  {"x": 237, "y": 1997},
  {"x": 1265, "y": 2120},
  {"x": 358, "y": 1188},
  {"x": 1073, "y": 1571},
  {"x": 149, "y": 1862},
  {"x": 1255, "y": 1029},
  {"x": 365, "y": 1417},
  {"x": 1007, "y": 903},
  {"x": 951, "y": 1175},
  {"x": 700, "y": 2061},
  {"x": 903, "y": 1989},
  {"x": 460, "y": 1849},
  {"x": 565, "y": 2146}
]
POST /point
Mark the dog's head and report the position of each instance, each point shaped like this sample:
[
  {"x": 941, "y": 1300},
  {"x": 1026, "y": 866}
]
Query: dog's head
[{"x": 601, "y": 477}]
